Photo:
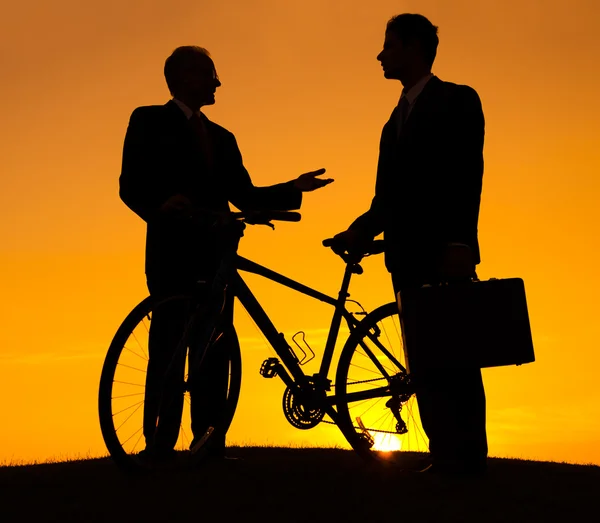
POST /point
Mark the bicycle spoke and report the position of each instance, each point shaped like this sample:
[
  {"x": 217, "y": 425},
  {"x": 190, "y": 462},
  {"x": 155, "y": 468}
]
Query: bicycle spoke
[
  {"x": 131, "y": 367},
  {"x": 137, "y": 442},
  {"x": 374, "y": 404},
  {"x": 379, "y": 365},
  {"x": 392, "y": 370},
  {"x": 139, "y": 430},
  {"x": 127, "y": 408},
  {"x": 390, "y": 344},
  {"x": 128, "y": 417},
  {"x": 127, "y": 383},
  {"x": 140, "y": 345},
  {"x": 364, "y": 368},
  {"x": 373, "y": 358},
  {"x": 383, "y": 349},
  {"x": 356, "y": 405},
  {"x": 144, "y": 358},
  {"x": 185, "y": 440},
  {"x": 127, "y": 395}
]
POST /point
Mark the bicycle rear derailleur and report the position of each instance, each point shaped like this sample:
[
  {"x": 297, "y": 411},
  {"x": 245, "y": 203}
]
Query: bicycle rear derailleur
[{"x": 402, "y": 389}]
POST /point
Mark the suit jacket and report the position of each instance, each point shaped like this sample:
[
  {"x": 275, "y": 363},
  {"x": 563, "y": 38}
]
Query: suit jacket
[
  {"x": 429, "y": 180},
  {"x": 162, "y": 156}
]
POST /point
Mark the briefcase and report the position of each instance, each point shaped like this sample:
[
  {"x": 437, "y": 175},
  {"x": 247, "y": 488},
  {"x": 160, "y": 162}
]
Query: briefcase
[{"x": 468, "y": 324}]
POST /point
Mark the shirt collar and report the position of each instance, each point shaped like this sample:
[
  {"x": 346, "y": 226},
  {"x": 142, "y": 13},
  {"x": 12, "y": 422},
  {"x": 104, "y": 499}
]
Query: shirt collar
[
  {"x": 412, "y": 94},
  {"x": 186, "y": 110}
]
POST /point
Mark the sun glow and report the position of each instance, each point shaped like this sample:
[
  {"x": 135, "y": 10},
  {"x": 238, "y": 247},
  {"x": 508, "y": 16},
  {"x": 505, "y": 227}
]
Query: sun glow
[{"x": 386, "y": 442}]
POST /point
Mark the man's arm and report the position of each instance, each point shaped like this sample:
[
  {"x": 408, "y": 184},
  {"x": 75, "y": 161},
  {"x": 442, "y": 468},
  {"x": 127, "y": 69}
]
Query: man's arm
[
  {"x": 462, "y": 181},
  {"x": 281, "y": 197},
  {"x": 140, "y": 186},
  {"x": 464, "y": 168},
  {"x": 371, "y": 223}
]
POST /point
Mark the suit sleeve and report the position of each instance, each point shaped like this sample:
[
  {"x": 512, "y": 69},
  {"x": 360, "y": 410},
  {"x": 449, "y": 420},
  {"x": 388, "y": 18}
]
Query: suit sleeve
[
  {"x": 371, "y": 222},
  {"x": 245, "y": 196},
  {"x": 139, "y": 183},
  {"x": 463, "y": 180}
]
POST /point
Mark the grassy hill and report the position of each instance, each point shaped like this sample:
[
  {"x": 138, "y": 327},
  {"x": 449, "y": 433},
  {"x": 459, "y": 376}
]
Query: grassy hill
[{"x": 297, "y": 485}]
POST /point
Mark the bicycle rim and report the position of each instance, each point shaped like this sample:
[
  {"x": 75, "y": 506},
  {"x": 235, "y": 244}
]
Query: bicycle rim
[{"x": 377, "y": 408}]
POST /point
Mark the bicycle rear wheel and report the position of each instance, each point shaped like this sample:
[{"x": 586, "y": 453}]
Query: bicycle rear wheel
[
  {"x": 376, "y": 405},
  {"x": 121, "y": 396}
]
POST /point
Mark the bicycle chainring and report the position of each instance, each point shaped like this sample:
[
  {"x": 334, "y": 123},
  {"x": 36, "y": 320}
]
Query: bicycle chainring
[{"x": 299, "y": 415}]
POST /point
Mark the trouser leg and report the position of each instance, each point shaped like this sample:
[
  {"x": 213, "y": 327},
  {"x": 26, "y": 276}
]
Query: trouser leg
[
  {"x": 211, "y": 383},
  {"x": 452, "y": 407},
  {"x": 451, "y": 401},
  {"x": 164, "y": 394}
]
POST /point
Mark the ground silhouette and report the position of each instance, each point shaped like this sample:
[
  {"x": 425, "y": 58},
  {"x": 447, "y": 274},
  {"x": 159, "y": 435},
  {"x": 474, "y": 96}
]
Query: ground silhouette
[{"x": 297, "y": 485}]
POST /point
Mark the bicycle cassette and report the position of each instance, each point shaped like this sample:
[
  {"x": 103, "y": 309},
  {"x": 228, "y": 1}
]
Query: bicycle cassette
[{"x": 299, "y": 415}]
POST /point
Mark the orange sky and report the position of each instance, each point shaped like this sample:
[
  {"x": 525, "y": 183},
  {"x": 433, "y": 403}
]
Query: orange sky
[{"x": 301, "y": 90}]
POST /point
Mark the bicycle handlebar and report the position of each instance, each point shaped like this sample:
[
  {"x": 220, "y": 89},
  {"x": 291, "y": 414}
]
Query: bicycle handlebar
[
  {"x": 209, "y": 217},
  {"x": 264, "y": 217},
  {"x": 375, "y": 247}
]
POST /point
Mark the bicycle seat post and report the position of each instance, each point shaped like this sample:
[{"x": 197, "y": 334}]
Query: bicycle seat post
[{"x": 348, "y": 272}]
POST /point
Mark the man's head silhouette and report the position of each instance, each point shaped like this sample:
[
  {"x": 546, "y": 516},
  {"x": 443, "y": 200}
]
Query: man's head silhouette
[
  {"x": 191, "y": 76},
  {"x": 409, "y": 48}
]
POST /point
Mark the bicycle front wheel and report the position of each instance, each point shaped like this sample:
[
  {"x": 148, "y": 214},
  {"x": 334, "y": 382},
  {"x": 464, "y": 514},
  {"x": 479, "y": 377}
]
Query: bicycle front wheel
[
  {"x": 122, "y": 393},
  {"x": 376, "y": 405}
]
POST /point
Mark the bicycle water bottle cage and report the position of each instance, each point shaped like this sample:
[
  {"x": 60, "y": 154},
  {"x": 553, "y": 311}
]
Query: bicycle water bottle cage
[{"x": 305, "y": 357}]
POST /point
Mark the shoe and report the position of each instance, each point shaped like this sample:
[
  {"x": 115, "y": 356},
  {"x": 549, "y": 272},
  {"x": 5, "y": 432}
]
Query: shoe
[
  {"x": 201, "y": 459},
  {"x": 222, "y": 457},
  {"x": 422, "y": 463},
  {"x": 151, "y": 457}
]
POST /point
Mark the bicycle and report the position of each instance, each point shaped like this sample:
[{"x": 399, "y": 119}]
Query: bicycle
[{"x": 372, "y": 388}]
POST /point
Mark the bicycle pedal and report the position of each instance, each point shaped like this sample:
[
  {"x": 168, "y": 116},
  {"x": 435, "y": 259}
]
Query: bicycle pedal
[
  {"x": 269, "y": 367},
  {"x": 365, "y": 436}
]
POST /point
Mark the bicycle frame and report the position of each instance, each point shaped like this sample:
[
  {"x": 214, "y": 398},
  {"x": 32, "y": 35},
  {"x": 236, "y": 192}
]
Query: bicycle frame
[{"x": 277, "y": 339}]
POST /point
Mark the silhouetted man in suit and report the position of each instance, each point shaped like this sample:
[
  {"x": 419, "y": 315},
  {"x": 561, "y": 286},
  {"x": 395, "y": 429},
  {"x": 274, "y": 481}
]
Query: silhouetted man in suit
[
  {"x": 426, "y": 203},
  {"x": 175, "y": 160}
]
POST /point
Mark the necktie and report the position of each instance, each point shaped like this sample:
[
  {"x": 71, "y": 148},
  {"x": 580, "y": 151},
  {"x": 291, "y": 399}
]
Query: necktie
[
  {"x": 402, "y": 113},
  {"x": 202, "y": 137}
]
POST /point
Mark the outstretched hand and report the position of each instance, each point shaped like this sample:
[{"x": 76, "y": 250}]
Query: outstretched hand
[{"x": 309, "y": 182}]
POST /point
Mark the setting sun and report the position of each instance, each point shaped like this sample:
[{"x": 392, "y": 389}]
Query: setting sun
[{"x": 386, "y": 442}]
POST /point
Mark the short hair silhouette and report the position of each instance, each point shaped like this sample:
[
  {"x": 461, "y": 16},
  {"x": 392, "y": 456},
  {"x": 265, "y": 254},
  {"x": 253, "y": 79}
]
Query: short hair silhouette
[
  {"x": 180, "y": 59},
  {"x": 414, "y": 28}
]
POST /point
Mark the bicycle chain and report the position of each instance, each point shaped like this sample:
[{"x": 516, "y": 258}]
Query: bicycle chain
[
  {"x": 358, "y": 428},
  {"x": 363, "y": 381}
]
